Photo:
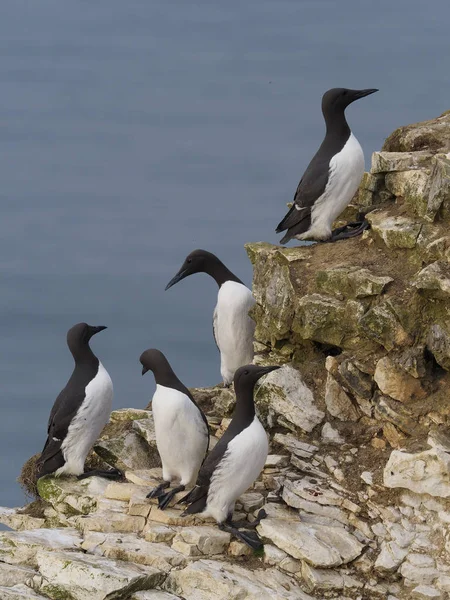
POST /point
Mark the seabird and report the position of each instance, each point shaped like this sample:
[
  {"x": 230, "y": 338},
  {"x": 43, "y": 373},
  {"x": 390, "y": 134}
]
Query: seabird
[
  {"x": 331, "y": 178},
  {"x": 181, "y": 428},
  {"x": 80, "y": 411},
  {"x": 235, "y": 462},
  {"x": 233, "y": 329}
]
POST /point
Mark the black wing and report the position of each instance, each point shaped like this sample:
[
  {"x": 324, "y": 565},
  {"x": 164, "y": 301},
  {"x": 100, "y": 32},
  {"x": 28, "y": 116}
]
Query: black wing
[
  {"x": 312, "y": 185},
  {"x": 197, "y": 497},
  {"x": 64, "y": 409}
]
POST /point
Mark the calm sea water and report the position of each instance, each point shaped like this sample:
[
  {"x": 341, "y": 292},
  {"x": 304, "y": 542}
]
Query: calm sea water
[{"x": 133, "y": 132}]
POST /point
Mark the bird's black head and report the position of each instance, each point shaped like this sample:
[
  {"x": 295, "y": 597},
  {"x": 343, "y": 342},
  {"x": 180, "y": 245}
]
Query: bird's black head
[
  {"x": 198, "y": 261},
  {"x": 153, "y": 360},
  {"x": 337, "y": 99},
  {"x": 246, "y": 376},
  {"x": 79, "y": 335}
]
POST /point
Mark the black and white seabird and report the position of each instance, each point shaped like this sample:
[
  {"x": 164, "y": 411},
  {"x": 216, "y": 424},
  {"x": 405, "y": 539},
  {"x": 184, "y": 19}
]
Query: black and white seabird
[
  {"x": 181, "y": 428},
  {"x": 80, "y": 411},
  {"x": 331, "y": 178},
  {"x": 235, "y": 462},
  {"x": 233, "y": 329}
]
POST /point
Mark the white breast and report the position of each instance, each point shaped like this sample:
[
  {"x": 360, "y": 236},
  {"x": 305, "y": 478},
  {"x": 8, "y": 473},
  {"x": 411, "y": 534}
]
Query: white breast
[
  {"x": 346, "y": 171},
  {"x": 237, "y": 471},
  {"x": 233, "y": 328},
  {"x": 88, "y": 423},
  {"x": 181, "y": 434}
]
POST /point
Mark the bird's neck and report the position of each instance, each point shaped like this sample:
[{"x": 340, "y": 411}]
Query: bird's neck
[
  {"x": 221, "y": 274},
  {"x": 84, "y": 355},
  {"x": 336, "y": 124},
  {"x": 165, "y": 376},
  {"x": 245, "y": 405}
]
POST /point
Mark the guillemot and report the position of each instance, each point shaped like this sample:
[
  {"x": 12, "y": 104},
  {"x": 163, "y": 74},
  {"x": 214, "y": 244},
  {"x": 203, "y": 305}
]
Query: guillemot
[
  {"x": 80, "y": 411},
  {"x": 235, "y": 462},
  {"x": 181, "y": 428},
  {"x": 233, "y": 329},
  {"x": 331, "y": 178}
]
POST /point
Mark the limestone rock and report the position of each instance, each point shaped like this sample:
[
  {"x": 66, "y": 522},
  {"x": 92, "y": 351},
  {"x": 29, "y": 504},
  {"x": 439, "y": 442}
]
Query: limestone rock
[
  {"x": 321, "y": 579},
  {"x": 128, "y": 547},
  {"x": 434, "y": 280},
  {"x": 12, "y": 517},
  {"x": 330, "y": 435},
  {"x": 390, "y": 557},
  {"x": 154, "y": 595},
  {"x": 21, "y": 547},
  {"x": 19, "y": 592},
  {"x": 208, "y": 540},
  {"x": 251, "y": 501},
  {"x": 426, "y": 592},
  {"x": 327, "y": 320},
  {"x": 110, "y": 522},
  {"x": 395, "y": 413},
  {"x": 370, "y": 189},
  {"x": 294, "y": 445},
  {"x": 129, "y": 414},
  {"x": 395, "y": 231},
  {"x": 123, "y": 491},
  {"x": 128, "y": 452},
  {"x": 439, "y": 194},
  {"x": 430, "y": 136},
  {"x": 388, "y": 162},
  {"x": 351, "y": 282},
  {"x": 155, "y": 532},
  {"x": 146, "y": 429},
  {"x": 396, "y": 383},
  {"x": 146, "y": 477},
  {"x": 412, "y": 186},
  {"x": 381, "y": 324},
  {"x": 437, "y": 249},
  {"x": 14, "y": 574},
  {"x": 425, "y": 472},
  {"x": 70, "y": 496},
  {"x": 318, "y": 545},
  {"x": 172, "y": 516},
  {"x": 275, "y": 297},
  {"x": 87, "y": 577},
  {"x": 286, "y": 394},
  {"x": 206, "y": 579},
  {"x": 338, "y": 402},
  {"x": 438, "y": 342},
  {"x": 218, "y": 398}
]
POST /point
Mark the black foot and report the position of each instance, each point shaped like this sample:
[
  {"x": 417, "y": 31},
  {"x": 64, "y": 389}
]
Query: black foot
[
  {"x": 164, "y": 499},
  {"x": 350, "y": 230},
  {"x": 113, "y": 474},
  {"x": 250, "y": 538},
  {"x": 158, "y": 490}
]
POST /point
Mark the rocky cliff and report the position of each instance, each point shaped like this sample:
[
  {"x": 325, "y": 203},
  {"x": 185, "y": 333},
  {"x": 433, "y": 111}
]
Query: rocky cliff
[{"x": 357, "y": 485}]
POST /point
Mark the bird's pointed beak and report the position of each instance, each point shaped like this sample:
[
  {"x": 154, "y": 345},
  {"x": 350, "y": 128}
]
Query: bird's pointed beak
[
  {"x": 98, "y": 328},
  {"x": 265, "y": 370},
  {"x": 182, "y": 273},
  {"x": 144, "y": 370},
  {"x": 363, "y": 93}
]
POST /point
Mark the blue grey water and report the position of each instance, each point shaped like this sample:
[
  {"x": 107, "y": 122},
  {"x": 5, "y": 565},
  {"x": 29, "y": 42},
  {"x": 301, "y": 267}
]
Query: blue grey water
[{"x": 133, "y": 132}]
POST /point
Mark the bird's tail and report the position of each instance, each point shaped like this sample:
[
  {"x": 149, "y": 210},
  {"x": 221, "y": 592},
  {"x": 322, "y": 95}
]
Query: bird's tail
[
  {"x": 284, "y": 224},
  {"x": 51, "y": 458}
]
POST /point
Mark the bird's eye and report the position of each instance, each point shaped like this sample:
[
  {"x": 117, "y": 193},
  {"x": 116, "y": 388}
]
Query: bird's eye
[
  {"x": 245, "y": 372},
  {"x": 189, "y": 260}
]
